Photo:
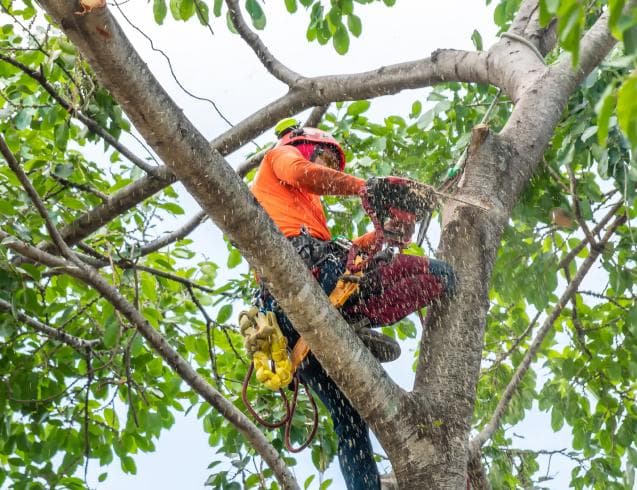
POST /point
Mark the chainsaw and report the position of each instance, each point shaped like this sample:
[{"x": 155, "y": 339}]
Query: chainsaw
[{"x": 394, "y": 205}]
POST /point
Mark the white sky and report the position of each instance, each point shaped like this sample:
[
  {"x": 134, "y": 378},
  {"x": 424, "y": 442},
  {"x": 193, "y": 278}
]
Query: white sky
[{"x": 224, "y": 69}]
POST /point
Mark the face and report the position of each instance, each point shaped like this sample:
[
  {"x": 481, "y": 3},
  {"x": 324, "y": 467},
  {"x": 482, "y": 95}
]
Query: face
[{"x": 328, "y": 158}]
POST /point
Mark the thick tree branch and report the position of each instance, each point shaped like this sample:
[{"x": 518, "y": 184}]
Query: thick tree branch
[
  {"x": 89, "y": 122},
  {"x": 315, "y": 117},
  {"x": 535, "y": 346},
  {"x": 527, "y": 25},
  {"x": 170, "y": 355},
  {"x": 274, "y": 66},
  {"x": 77, "y": 343}
]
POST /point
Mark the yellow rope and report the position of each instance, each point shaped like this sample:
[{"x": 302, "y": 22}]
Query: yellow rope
[{"x": 265, "y": 342}]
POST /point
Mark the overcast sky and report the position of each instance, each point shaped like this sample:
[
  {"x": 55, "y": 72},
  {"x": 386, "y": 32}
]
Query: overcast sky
[{"x": 224, "y": 69}]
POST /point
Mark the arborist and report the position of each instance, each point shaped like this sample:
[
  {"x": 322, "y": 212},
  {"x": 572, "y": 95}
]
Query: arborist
[{"x": 305, "y": 164}]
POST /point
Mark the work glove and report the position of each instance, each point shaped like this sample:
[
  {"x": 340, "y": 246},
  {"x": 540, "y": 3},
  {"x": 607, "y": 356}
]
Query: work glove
[
  {"x": 401, "y": 229},
  {"x": 398, "y": 201}
]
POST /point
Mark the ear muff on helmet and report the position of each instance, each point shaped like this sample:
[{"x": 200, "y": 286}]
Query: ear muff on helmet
[{"x": 293, "y": 134}]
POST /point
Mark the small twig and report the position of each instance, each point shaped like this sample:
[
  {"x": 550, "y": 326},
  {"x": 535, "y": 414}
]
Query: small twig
[
  {"x": 211, "y": 354},
  {"x": 516, "y": 343},
  {"x": 129, "y": 379},
  {"x": 252, "y": 162},
  {"x": 490, "y": 428},
  {"x": 577, "y": 209},
  {"x": 607, "y": 298},
  {"x": 580, "y": 246},
  {"x": 556, "y": 176},
  {"x": 82, "y": 187},
  {"x": 274, "y": 66},
  {"x": 174, "y": 236},
  {"x": 87, "y": 444},
  {"x": 78, "y": 344},
  {"x": 103, "y": 261}
]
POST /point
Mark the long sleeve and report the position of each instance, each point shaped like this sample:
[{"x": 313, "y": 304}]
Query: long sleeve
[
  {"x": 290, "y": 167},
  {"x": 364, "y": 242}
]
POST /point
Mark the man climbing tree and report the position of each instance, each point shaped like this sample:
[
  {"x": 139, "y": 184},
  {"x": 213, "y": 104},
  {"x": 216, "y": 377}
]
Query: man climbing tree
[
  {"x": 306, "y": 164},
  {"x": 108, "y": 329}
]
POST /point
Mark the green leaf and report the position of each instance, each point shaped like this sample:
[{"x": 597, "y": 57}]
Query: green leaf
[
  {"x": 604, "y": 110},
  {"x": 256, "y": 14},
  {"x": 159, "y": 11},
  {"x": 629, "y": 37},
  {"x": 390, "y": 3},
  {"x": 61, "y": 135},
  {"x": 627, "y": 109},
  {"x": 341, "y": 39},
  {"x": 63, "y": 170},
  {"x": 308, "y": 481},
  {"x": 358, "y": 107},
  {"x": 354, "y": 25},
  {"x": 230, "y": 24},
  {"x": 326, "y": 484},
  {"x": 557, "y": 419},
  {"x": 174, "y": 9},
  {"x": 416, "y": 109},
  {"x": 111, "y": 332},
  {"x": 234, "y": 258},
  {"x": 23, "y": 119},
  {"x": 202, "y": 11},
  {"x": 225, "y": 312},
  {"x": 216, "y": 8},
  {"x": 477, "y": 40},
  {"x": 291, "y": 6},
  {"x": 615, "y": 7},
  {"x": 186, "y": 9}
]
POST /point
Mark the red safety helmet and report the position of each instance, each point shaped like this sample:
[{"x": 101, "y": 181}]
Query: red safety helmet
[{"x": 297, "y": 136}]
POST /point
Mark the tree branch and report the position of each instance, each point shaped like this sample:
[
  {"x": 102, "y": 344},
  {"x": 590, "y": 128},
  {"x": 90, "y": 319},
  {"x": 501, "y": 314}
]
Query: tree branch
[
  {"x": 170, "y": 355},
  {"x": 89, "y": 122},
  {"x": 580, "y": 246},
  {"x": 314, "y": 119},
  {"x": 178, "y": 234},
  {"x": 274, "y": 66},
  {"x": 488, "y": 431},
  {"x": 77, "y": 343}
]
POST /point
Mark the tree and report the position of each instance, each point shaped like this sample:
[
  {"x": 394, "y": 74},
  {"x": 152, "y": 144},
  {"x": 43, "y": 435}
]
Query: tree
[{"x": 99, "y": 314}]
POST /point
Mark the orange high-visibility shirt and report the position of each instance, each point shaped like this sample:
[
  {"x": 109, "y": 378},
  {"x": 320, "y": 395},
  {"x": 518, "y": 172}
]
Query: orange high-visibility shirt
[{"x": 288, "y": 187}]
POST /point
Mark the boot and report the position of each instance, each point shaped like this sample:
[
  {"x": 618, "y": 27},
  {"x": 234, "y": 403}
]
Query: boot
[{"x": 383, "y": 347}]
